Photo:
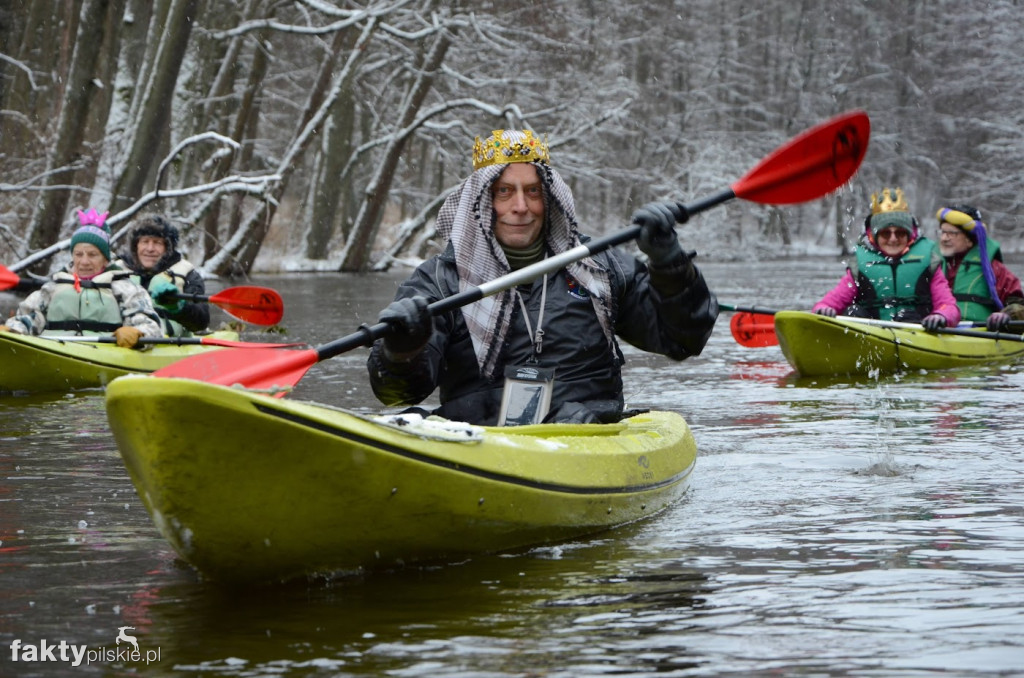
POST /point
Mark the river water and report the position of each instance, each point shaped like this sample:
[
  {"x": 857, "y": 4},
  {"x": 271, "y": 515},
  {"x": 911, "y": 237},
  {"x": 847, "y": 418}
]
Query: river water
[{"x": 833, "y": 528}]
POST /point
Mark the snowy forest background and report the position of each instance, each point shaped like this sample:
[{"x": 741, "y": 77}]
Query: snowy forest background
[{"x": 322, "y": 135}]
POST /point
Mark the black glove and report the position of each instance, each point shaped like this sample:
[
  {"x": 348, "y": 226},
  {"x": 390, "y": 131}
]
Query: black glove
[
  {"x": 933, "y": 322},
  {"x": 412, "y": 325},
  {"x": 997, "y": 321},
  {"x": 657, "y": 238},
  {"x": 826, "y": 311}
]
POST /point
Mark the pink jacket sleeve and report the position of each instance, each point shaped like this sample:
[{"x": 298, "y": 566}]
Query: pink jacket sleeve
[
  {"x": 840, "y": 296},
  {"x": 943, "y": 301}
]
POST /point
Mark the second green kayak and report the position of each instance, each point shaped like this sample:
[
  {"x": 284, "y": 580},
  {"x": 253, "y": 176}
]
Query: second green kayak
[
  {"x": 819, "y": 346},
  {"x": 38, "y": 365}
]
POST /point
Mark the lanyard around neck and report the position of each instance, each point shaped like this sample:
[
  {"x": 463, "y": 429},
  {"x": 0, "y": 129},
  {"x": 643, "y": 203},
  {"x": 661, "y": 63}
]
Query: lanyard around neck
[{"x": 536, "y": 338}]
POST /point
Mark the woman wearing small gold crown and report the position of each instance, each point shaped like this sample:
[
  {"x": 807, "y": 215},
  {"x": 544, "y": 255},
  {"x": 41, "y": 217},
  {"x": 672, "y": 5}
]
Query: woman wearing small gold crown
[
  {"x": 896, "y": 274},
  {"x": 544, "y": 351}
]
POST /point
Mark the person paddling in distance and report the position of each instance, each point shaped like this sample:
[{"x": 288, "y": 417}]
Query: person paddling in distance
[
  {"x": 895, "y": 273},
  {"x": 160, "y": 268},
  {"x": 93, "y": 297},
  {"x": 984, "y": 288},
  {"x": 546, "y": 350}
]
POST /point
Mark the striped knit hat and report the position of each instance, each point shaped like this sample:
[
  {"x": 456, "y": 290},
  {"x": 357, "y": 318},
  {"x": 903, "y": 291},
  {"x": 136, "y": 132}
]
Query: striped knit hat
[{"x": 93, "y": 230}]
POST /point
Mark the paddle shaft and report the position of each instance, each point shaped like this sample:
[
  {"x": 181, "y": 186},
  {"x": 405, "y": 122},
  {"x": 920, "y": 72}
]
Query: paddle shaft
[
  {"x": 1013, "y": 324},
  {"x": 367, "y": 334},
  {"x": 807, "y": 167},
  {"x": 940, "y": 330},
  {"x": 168, "y": 341},
  {"x": 748, "y": 309}
]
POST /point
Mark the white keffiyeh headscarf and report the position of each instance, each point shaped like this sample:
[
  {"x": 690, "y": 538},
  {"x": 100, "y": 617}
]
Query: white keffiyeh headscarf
[{"x": 467, "y": 219}]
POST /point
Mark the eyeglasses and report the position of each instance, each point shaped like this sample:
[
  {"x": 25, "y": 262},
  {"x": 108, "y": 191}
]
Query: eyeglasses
[
  {"x": 893, "y": 234},
  {"x": 952, "y": 233}
]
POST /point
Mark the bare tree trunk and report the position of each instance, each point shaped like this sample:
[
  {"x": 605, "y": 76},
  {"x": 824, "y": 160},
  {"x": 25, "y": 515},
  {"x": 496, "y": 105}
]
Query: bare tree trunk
[
  {"x": 248, "y": 125},
  {"x": 30, "y": 31},
  {"x": 318, "y": 96},
  {"x": 245, "y": 127},
  {"x": 81, "y": 89},
  {"x": 243, "y": 246},
  {"x": 356, "y": 255},
  {"x": 156, "y": 105},
  {"x": 330, "y": 187}
]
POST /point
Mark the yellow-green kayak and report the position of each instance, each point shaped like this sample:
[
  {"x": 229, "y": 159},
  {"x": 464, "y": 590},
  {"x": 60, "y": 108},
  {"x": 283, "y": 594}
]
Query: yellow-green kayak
[
  {"x": 819, "y": 346},
  {"x": 37, "y": 365},
  {"x": 249, "y": 488}
]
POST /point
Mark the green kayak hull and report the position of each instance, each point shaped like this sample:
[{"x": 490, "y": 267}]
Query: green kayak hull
[
  {"x": 250, "y": 489},
  {"x": 37, "y": 365},
  {"x": 819, "y": 346}
]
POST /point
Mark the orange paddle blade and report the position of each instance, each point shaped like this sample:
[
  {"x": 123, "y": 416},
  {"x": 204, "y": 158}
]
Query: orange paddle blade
[
  {"x": 753, "y": 330},
  {"x": 256, "y": 305}
]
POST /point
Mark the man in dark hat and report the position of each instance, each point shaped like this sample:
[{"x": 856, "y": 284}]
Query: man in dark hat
[
  {"x": 985, "y": 290},
  {"x": 154, "y": 257}
]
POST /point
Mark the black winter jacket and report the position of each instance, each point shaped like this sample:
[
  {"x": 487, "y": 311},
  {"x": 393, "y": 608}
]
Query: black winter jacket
[{"x": 670, "y": 312}]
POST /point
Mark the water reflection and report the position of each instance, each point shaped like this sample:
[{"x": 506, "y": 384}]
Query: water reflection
[{"x": 834, "y": 527}]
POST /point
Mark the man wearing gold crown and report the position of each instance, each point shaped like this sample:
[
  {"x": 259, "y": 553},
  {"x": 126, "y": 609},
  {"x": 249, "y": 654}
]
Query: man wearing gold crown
[
  {"x": 547, "y": 350},
  {"x": 896, "y": 273},
  {"x": 93, "y": 297},
  {"x": 984, "y": 288}
]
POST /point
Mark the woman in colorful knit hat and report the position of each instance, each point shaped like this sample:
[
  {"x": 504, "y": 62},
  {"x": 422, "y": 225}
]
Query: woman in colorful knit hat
[
  {"x": 547, "y": 350},
  {"x": 92, "y": 297},
  {"x": 985, "y": 290},
  {"x": 895, "y": 273}
]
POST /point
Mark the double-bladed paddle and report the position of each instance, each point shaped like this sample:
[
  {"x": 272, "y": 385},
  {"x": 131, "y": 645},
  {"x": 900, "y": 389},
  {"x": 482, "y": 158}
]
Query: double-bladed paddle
[
  {"x": 169, "y": 341},
  {"x": 939, "y": 330},
  {"x": 249, "y": 303},
  {"x": 808, "y": 166}
]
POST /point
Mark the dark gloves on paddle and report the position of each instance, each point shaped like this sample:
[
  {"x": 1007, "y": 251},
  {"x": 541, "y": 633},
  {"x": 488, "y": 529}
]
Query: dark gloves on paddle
[
  {"x": 411, "y": 323},
  {"x": 826, "y": 311},
  {"x": 933, "y": 322},
  {"x": 997, "y": 321},
  {"x": 165, "y": 295},
  {"x": 657, "y": 237}
]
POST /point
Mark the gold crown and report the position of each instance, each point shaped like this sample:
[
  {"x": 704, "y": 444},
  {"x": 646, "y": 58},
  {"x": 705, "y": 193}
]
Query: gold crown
[
  {"x": 889, "y": 202},
  {"x": 507, "y": 146}
]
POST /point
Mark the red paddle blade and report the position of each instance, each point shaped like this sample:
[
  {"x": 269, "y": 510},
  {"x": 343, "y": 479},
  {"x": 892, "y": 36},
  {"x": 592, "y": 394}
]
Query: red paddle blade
[
  {"x": 253, "y": 368},
  {"x": 753, "y": 330},
  {"x": 8, "y": 278},
  {"x": 812, "y": 164},
  {"x": 256, "y": 305}
]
